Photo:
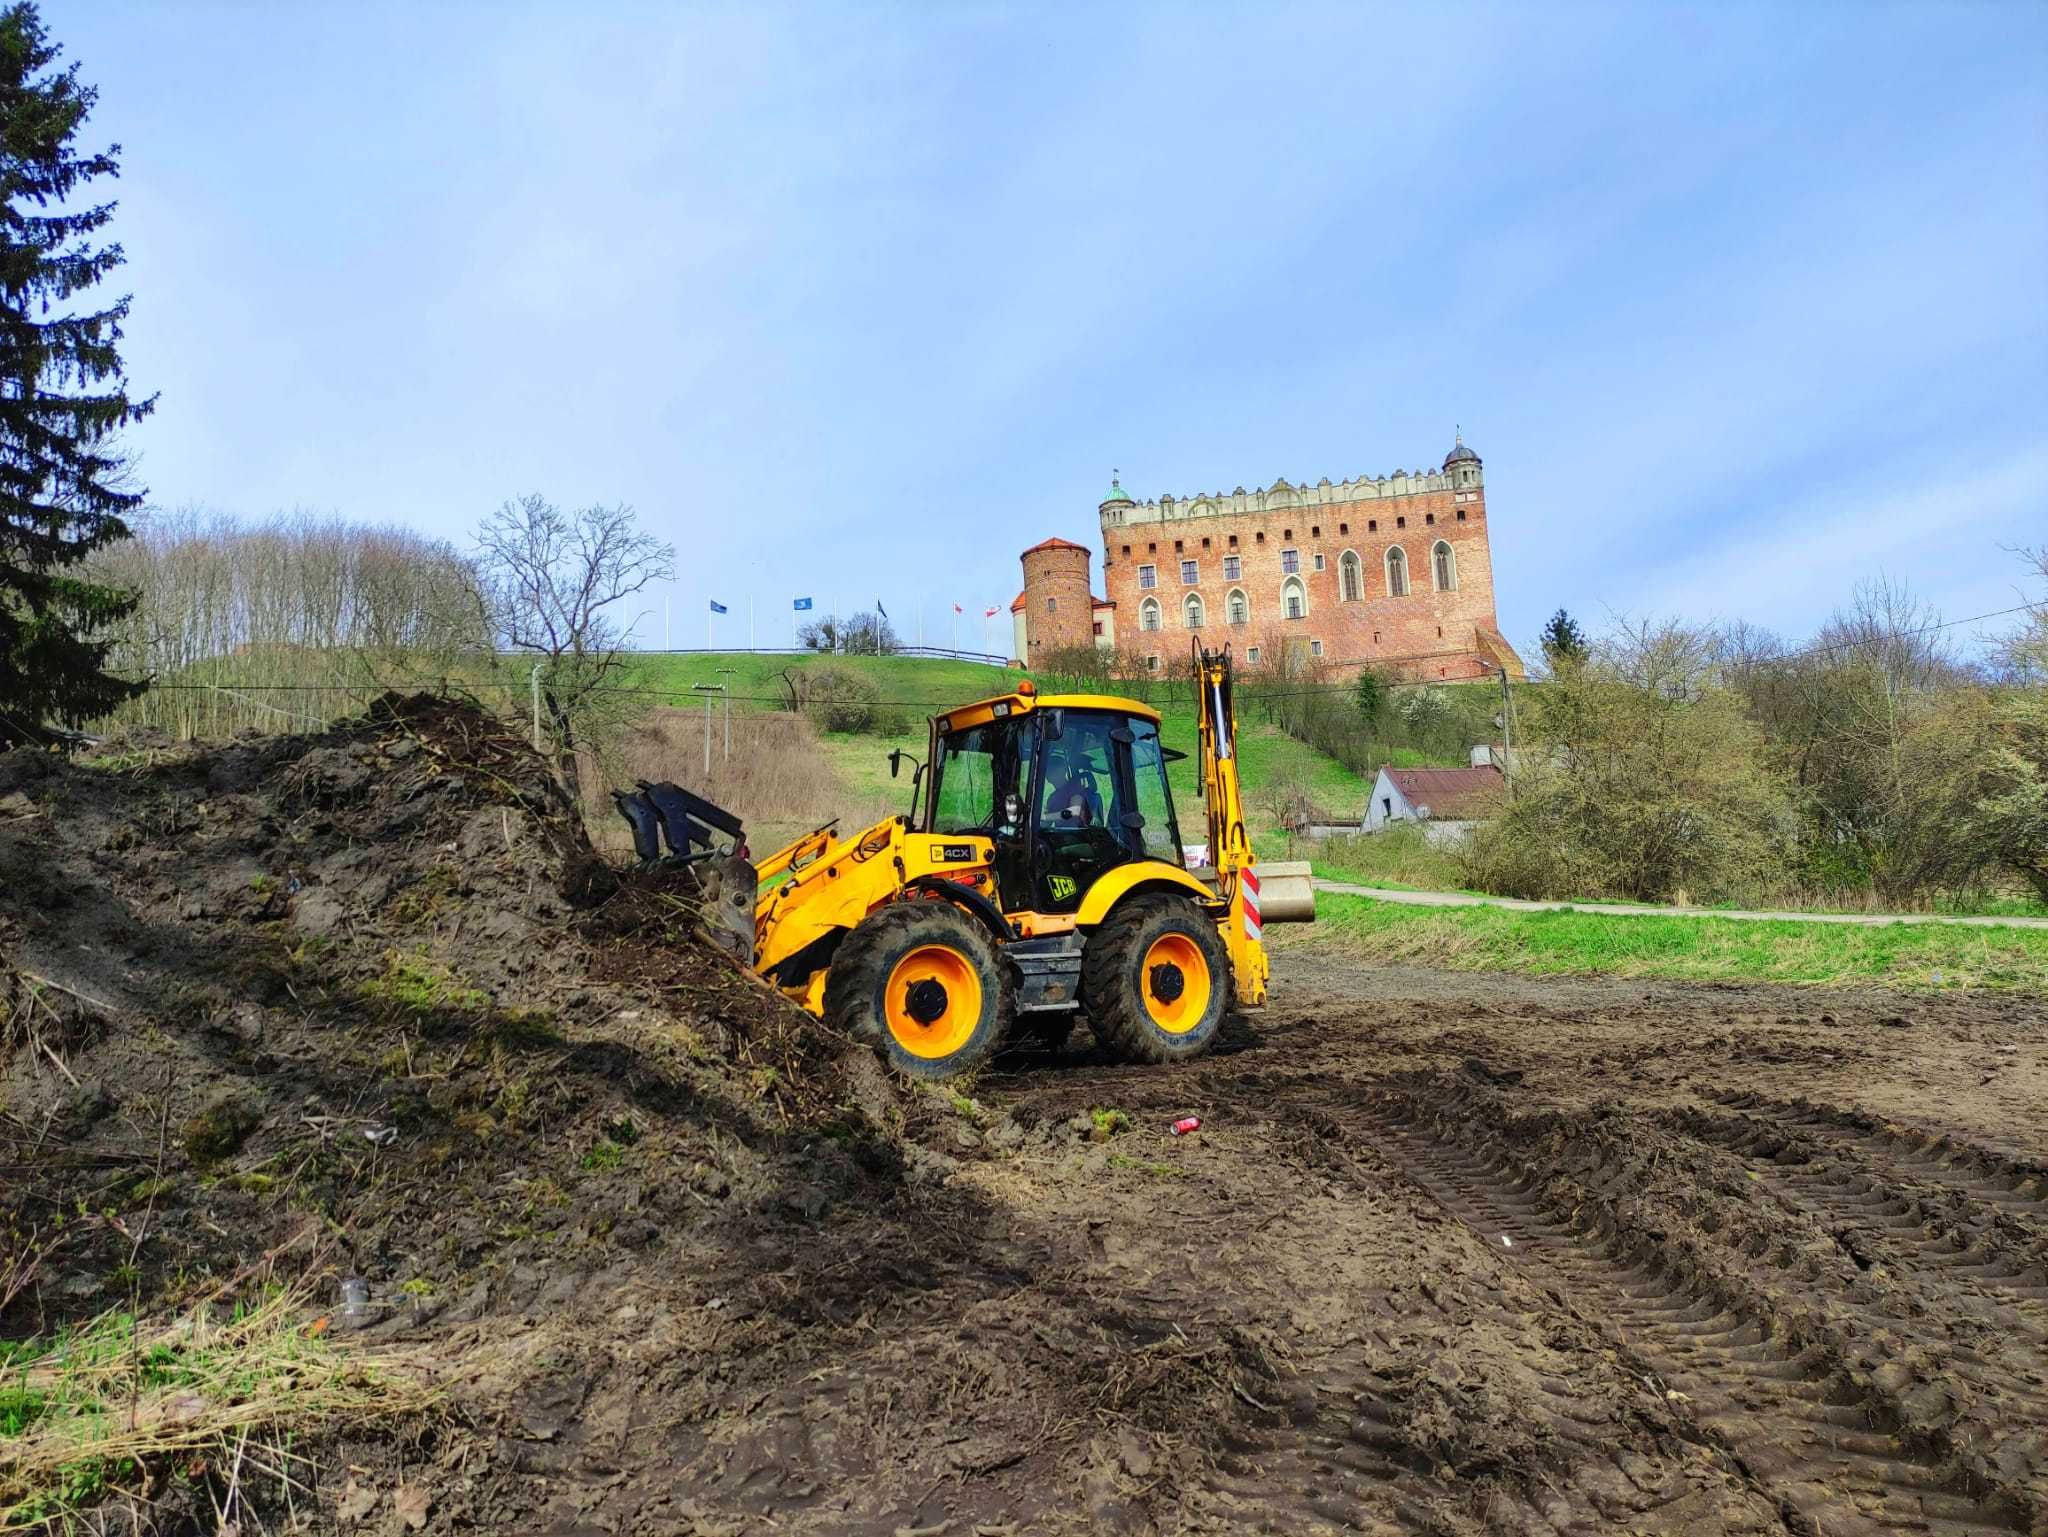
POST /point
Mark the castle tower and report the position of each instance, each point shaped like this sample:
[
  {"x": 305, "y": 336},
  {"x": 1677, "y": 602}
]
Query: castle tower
[
  {"x": 1463, "y": 466},
  {"x": 1057, "y": 609}
]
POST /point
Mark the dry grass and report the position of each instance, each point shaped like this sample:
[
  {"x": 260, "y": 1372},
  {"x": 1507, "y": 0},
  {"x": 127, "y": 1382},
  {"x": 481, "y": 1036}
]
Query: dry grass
[
  {"x": 1401, "y": 857},
  {"x": 777, "y": 777},
  {"x": 217, "y": 1398}
]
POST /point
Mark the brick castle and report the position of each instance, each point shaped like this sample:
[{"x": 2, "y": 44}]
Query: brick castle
[{"x": 1392, "y": 572}]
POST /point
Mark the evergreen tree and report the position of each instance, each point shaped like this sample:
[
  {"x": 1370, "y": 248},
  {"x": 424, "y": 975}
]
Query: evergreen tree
[
  {"x": 1369, "y": 694},
  {"x": 1562, "y": 641},
  {"x": 63, "y": 486}
]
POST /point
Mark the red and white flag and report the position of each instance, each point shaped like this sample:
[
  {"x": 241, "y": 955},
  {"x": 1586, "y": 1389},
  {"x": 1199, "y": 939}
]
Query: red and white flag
[
  {"x": 988, "y": 613},
  {"x": 958, "y": 609}
]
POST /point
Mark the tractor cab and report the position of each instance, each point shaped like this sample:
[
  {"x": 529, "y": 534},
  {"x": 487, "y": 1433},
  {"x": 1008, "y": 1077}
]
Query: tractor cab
[{"x": 1065, "y": 787}]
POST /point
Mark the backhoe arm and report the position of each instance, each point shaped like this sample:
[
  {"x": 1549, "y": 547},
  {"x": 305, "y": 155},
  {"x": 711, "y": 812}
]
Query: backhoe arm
[{"x": 1230, "y": 844}]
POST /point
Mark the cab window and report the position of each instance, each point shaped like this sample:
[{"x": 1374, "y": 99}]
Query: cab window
[
  {"x": 1160, "y": 832},
  {"x": 974, "y": 770},
  {"x": 1082, "y": 798}
]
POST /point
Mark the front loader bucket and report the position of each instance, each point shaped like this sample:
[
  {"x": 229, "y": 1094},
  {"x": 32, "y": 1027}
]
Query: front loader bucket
[
  {"x": 722, "y": 884},
  {"x": 1287, "y": 892}
]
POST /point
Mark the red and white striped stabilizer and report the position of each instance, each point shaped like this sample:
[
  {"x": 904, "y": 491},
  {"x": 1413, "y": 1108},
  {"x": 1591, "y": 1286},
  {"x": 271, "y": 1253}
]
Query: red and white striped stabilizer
[{"x": 1248, "y": 883}]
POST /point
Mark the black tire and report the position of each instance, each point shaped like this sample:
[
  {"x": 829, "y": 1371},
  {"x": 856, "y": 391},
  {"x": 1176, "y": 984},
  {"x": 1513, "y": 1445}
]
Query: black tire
[
  {"x": 908, "y": 942},
  {"x": 1125, "y": 1006}
]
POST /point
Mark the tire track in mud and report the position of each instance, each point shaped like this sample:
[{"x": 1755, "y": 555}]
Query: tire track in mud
[
  {"x": 1449, "y": 1403},
  {"x": 1771, "y": 1396},
  {"x": 1991, "y": 1181},
  {"x": 1952, "y": 1233}
]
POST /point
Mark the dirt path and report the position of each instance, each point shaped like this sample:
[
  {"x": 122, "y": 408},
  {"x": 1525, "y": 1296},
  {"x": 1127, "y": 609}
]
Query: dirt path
[{"x": 1647, "y": 910}]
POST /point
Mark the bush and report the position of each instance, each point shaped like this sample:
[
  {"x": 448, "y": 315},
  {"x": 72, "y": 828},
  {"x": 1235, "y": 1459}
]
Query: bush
[
  {"x": 1631, "y": 788},
  {"x": 837, "y": 698}
]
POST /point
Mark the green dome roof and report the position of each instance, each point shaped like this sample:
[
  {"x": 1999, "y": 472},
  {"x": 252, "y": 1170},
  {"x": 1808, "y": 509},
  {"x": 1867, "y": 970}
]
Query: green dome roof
[{"x": 1116, "y": 491}]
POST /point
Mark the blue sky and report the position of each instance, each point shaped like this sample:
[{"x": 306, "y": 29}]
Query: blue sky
[{"x": 1740, "y": 305}]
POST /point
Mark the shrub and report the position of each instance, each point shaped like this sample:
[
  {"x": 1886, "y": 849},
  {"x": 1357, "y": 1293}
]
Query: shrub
[
  {"x": 837, "y": 698},
  {"x": 1630, "y": 788}
]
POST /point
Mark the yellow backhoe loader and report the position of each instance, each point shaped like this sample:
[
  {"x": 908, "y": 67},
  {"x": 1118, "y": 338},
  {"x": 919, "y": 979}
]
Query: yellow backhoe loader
[{"x": 1040, "y": 870}]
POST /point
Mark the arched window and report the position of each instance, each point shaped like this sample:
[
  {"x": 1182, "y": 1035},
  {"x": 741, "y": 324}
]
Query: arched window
[
  {"x": 1293, "y": 598},
  {"x": 1397, "y": 572},
  {"x": 1148, "y": 614},
  {"x": 1194, "y": 610},
  {"x": 1446, "y": 567},
  {"x": 1240, "y": 607},
  {"x": 1350, "y": 577}
]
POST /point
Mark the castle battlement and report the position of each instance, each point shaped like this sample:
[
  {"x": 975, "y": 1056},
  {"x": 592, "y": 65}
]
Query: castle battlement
[{"x": 1280, "y": 495}]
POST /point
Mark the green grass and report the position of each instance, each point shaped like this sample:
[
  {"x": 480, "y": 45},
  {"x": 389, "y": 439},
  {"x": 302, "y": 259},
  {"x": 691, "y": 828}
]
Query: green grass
[
  {"x": 1919, "y": 956},
  {"x": 1266, "y": 756},
  {"x": 922, "y": 684},
  {"x": 117, "y": 1405},
  {"x": 925, "y": 686}
]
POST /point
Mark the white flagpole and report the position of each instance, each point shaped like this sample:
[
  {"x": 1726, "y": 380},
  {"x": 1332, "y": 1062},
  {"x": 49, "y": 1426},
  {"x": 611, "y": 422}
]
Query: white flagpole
[
  {"x": 709, "y": 615},
  {"x": 753, "y": 638},
  {"x": 667, "y": 639}
]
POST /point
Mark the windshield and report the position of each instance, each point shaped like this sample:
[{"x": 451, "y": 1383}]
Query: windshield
[
  {"x": 972, "y": 772},
  {"x": 1160, "y": 829}
]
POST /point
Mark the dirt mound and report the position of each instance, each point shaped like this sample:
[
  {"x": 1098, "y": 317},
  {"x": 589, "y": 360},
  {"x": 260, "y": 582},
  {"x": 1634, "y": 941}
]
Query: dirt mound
[{"x": 364, "y": 1005}]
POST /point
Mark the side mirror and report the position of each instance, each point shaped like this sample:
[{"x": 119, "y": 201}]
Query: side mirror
[{"x": 895, "y": 761}]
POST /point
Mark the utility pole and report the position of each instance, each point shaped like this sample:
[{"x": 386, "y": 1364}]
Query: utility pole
[
  {"x": 1507, "y": 730},
  {"x": 707, "y": 690},
  {"x": 733, "y": 672}
]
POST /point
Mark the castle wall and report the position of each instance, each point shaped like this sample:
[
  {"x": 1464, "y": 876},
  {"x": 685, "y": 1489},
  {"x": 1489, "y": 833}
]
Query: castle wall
[{"x": 1432, "y": 632}]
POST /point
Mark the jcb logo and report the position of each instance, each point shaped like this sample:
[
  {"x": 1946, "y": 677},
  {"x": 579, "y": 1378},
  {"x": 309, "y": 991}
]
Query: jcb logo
[{"x": 1061, "y": 886}]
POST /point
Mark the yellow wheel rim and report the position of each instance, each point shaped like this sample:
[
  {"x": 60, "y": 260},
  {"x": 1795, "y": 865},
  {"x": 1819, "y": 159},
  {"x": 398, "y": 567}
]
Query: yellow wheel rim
[
  {"x": 932, "y": 1001},
  {"x": 1174, "y": 979}
]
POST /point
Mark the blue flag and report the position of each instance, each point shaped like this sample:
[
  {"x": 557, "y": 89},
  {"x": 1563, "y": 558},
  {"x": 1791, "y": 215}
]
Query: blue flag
[
  {"x": 717, "y": 607},
  {"x": 803, "y": 605},
  {"x": 881, "y": 610}
]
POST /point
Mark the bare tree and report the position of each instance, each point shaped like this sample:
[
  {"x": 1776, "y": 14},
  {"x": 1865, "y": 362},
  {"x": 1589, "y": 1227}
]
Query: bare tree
[
  {"x": 551, "y": 581},
  {"x": 2021, "y": 658},
  {"x": 284, "y": 622}
]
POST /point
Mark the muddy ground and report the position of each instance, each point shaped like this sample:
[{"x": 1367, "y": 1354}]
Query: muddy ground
[{"x": 1449, "y": 1253}]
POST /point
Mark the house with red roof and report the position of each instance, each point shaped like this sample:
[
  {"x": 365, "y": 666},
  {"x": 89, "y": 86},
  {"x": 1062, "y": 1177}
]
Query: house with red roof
[{"x": 1449, "y": 801}]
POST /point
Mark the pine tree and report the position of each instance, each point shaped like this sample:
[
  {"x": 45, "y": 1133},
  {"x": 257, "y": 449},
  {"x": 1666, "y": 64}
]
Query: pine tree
[
  {"x": 63, "y": 396},
  {"x": 1369, "y": 695},
  {"x": 1562, "y": 641}
]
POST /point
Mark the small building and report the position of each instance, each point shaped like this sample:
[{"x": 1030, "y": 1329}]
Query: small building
[{"x": 1448, "y": 801}]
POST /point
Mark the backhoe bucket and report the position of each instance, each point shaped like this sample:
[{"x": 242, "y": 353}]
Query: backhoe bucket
[{"x": 1287, "y": 893}]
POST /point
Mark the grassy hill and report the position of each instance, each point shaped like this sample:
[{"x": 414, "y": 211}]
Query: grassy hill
[{"x": 923, "y": 686}]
